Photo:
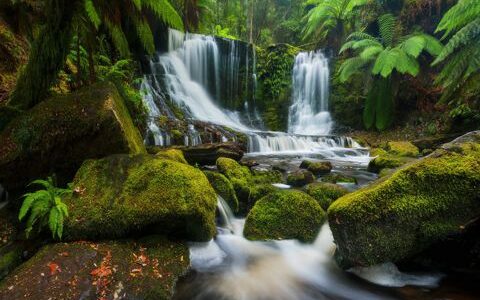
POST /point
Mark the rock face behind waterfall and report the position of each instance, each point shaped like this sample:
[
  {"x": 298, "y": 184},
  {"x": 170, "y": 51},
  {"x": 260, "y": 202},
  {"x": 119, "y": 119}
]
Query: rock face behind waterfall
[
  {"x": 122, "y": 195},
  {"x": 57, "y": 135},
  {"x": 420, "y": 204}
]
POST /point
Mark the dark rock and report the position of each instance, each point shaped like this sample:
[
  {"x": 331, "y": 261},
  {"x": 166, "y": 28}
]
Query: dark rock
[
  {"x": 58, "y": 134},
  {"x": 300, "y": 178},
  {"x": 339, "y": 178},
  {"x": 317, "y": 167},
  {"x": 208, "y": 154},
  {"x": 131, "y": 269}
]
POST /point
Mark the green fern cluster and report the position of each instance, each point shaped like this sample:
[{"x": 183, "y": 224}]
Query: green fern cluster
[
  {"x": 461, "y": 54},
  {"x": 45, "y": 207},
  {"x": 113, "y": 14},
  {"x": 382, "y": 56},
  {"x": 328, "y": 15}
]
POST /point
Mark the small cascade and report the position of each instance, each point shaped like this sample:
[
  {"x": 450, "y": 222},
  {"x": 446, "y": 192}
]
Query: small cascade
[{"x": 309, "y": 111}]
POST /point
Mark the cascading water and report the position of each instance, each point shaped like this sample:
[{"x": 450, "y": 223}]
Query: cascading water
[
  {"x": 309, "y": 113},
  {"x": 189, "y": 76}
]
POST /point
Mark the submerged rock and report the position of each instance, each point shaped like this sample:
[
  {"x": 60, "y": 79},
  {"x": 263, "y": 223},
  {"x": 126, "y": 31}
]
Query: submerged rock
[
  {"x": 286, "y": 214},
  {"x": 325, "y": 193},
  {"x": 143, "y": 269},
  {"x": 208, "y": 154},
  {"x": 121, "y": 195},
  {"x": 420, "y": 204},
  {"x": 58, "y": 134},
  {"x": 317, "y": 167},
  {"x": 339, "y": 178},
  {"x": 300, "y": 178},
  {"x": 224, "y": 188}
]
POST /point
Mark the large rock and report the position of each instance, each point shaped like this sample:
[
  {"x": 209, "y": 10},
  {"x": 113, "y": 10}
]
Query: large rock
[
  {"x": 286, "y": 214},
  {"x": 300, "y": 178},
  {"x": 317, "y": 167},
  {"x": 133, "y": 269},
  {"x": 224, "y": 188},
  {"x": 122, "y": 195},
  {"x": 420, "y": 204},
  {"x": 207, "y": 154},
  {"x": 58, "y": 134},
  {"x": 248, "y": 186},
  {"x": 325, "y": 193},
  {"x": 402, "y": 148}
]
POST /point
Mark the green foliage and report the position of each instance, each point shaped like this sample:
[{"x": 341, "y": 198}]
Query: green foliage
[
  {"x": 382, "y": 57},
  {"x": 330, "y": 17},
  {"x": 461, "y": 54},
  {"x": 45, "y": 207}
]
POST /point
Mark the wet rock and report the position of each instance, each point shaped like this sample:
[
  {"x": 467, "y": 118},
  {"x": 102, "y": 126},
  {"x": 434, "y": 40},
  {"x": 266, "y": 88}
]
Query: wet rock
[
  {"x": 172, "y": 154},
  {"x": 121, "y": 195},
  {"x": 132, "y": 269},
  {"x": 317, "y": 167},
  {"x": 325, "y": 193},
  {"x": 286, "y": 214},
  {"x": 433, "y": 142},
  {"x": 339, "y": 178},
  {"x": 300, "y": 178},
  {"x": 420, "y": 204},
  {"x": 250, "y": 163},
  {"x": 208, "y": 154},
  {"x": 402, "y": 148},
  {"x": 58, "y": 134},
  {"x": 224, "y": 188}
]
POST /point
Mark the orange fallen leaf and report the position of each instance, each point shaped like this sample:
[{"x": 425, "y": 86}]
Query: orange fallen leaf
[{"x": 54, "y": 268}]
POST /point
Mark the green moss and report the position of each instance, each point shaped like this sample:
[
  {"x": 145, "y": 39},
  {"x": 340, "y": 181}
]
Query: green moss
[
  {"x": 403, "y": 149},
  {"x": 339, "y": 178},
  {"x": 121, "y": 195},
  {"x": 387, "y": 161},
  {"x": 172, "y": 154},
  {"x": 325, "y": 193},
  {"x": 136, "y": 269},
  {"x": 318, "y": 168},
  {"x": 286, "y": 214},
  {"x": 248, "y": 186},
  {"x": 300, "y": 178},
  {"x": 224, "y": 188},
  {"x": 60, "y": 133},
  {"x": 401, "y": 215}
]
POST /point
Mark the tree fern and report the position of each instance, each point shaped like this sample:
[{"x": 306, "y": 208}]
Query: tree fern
[
  {"x": 45, "y": 208},
  {"x": 92, "y": 13},
  {"x": 386, "y": 25}
]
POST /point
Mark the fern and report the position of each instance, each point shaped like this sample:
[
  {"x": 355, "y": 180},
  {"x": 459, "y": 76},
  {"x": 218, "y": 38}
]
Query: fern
[
  {"x": 164, "y": 11},
  {"x": 45, "y": 207},
  {"x": 92, "y": 13},
  {"x": 386, "y": 24}
]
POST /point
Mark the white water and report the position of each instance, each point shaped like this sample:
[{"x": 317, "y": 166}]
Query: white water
[
  {"x": 309, "y": 114},
  {"x": 284, "y": 270},
  {"x": 191, "y": 68}
]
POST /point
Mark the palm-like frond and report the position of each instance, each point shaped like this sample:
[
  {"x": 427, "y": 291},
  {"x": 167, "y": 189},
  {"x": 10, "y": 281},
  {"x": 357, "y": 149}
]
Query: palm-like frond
[
  {"x": 164, "y": 11},
  {"x": 351, "y": 66},
  {"x": 386, "y": 24},
  {"x": 461, "y": 14}
]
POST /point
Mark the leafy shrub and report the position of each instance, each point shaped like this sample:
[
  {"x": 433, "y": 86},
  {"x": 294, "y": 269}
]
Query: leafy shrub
[{"x": 45, "y": 207}]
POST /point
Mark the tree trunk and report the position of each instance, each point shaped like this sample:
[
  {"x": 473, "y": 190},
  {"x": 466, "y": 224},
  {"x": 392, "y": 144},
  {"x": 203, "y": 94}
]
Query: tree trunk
[{"x": 47, "y": 56}]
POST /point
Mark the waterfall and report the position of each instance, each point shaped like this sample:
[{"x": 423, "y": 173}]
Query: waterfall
[
  {"x": 310, "y": 80},
  {"x": 194, "y": 74}
]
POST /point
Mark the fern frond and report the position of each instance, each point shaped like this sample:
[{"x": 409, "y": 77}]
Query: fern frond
[
  {"x": 119, "y": 39},
  {"x": 144, "y": 34},
  {"x": 30, "y": 198},
  {"x": 370, "y": 52},
  {"x": 360, "y": 36},
  {"x": 467, "y": 34},
  {"x": 164, "y": 11},
  {"x": 414, "y": 45},
  {"x": 92, "y": 13},
  {"x": 366, "y": 43},
  {"x": 53, "y": 220},
  {"x": 385, "y": 63},
  {"x": 351, "y": 66},
  {"x": 386, "y": 24},
  {"x": 462, "y": 13}
]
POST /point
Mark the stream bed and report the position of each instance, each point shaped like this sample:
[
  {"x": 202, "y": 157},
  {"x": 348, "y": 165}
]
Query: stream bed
[{"x": 232, "y": 267}]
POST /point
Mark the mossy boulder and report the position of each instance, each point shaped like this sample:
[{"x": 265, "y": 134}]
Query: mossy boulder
[
  {"x": 285, "y": 214},
  {"x": 317, "y": 167},
  {"x": 129, "y": 269},
  {"x": 420, "y": 204},
  {"x": 123, "y": 194},
  {"x": 325, "y": 193},
  {"x": 224, "y": 188},
  {"x": 339, "y": 178},
  {"x": 207, "y": 154},
  {"x": 300, "y": 178},
  {"x": 248, "y": 186},
  {"x": 387, "y": 161},
  {"x": 402, "y": 148},
  {"x": 172, "y": 154},
  {"x": 58, "y": 134}
]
